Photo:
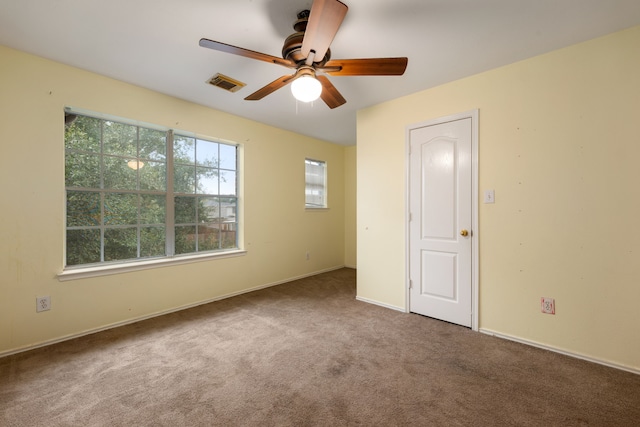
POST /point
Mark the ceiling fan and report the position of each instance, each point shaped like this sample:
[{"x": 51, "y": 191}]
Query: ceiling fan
[{"x": 307, "y": 51}]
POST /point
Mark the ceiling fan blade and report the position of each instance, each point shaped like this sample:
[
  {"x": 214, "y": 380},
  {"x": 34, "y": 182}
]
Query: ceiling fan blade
[
  {"x": 223, "y": 47},
  {"x": 270, "y": 88},
  {"x": 324, "y": 20},
  {"x": 366, "y": 67},
  {"x": 330, "y": 94}
]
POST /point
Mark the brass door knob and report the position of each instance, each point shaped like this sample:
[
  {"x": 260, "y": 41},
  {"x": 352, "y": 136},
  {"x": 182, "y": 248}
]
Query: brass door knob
[{"x": 464, "y": 233}]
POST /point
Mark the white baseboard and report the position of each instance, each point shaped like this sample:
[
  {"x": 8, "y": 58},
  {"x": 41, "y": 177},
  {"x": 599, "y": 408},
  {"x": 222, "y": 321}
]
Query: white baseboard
[
  {"x": 561, "y": 351},
  {"x": 161, "y": 313},
  {"x": 381, "y": 304}
]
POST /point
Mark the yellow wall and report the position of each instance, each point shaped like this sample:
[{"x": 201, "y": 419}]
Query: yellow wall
[
  {"x": 559, "y": 143},
  {"x": 350, "y": 206},
  {"x": 277, "y": 230}
]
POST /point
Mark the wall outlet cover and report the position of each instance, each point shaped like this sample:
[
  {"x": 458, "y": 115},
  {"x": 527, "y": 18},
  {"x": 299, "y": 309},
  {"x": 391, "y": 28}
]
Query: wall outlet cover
[
  {"x": 43, "y": 304},
  {"x": 548, "y": 305}
]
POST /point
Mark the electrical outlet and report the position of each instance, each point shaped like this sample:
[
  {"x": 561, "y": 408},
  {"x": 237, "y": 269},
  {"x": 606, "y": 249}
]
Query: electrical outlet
[
  {"x": 548, "y": 305},
  {"x": 43, "y": 304}
]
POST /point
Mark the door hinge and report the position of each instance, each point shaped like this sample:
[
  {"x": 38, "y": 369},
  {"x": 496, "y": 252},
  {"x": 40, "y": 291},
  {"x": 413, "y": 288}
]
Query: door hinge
[{"x": 410, "y": 284}]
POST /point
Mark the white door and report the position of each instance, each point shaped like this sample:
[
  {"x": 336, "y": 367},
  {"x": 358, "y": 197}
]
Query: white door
[{"x": 440, "y": 220}]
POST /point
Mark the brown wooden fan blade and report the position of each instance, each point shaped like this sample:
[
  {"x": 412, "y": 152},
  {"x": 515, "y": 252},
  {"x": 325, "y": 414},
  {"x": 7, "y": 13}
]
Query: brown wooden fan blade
[
  {"x": 324, "y": 20},
  {"x": 223, "y": 47},
  {"x": 330, "y": 94},
  {"x": 366, "y": 67},
  {"x": 270, "y": 88}
]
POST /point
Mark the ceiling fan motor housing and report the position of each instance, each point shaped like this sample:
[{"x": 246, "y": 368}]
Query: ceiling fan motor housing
[
  {"x": 293, "y": 44},
  {"x": 301, "y": 24}
]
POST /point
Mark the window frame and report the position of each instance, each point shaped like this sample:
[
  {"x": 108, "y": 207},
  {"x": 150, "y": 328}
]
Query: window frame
[{"x": 102, "y": 267}]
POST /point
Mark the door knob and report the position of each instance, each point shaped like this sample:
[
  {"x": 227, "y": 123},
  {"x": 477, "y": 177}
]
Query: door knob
[{"x": 464, "y": 233}]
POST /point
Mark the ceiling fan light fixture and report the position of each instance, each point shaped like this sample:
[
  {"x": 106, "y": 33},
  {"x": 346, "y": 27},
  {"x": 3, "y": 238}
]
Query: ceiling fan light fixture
[{"x": 306, "y": 88}]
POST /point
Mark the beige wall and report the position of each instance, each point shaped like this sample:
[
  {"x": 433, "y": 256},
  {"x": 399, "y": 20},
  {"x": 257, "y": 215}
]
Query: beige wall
[
  {"x": 277, "y": 230},
  {"x": 559, "y": 143},
  {"x": 350, "y": 253}
]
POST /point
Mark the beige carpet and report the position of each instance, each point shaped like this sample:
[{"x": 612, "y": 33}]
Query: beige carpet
[{"x": 307, "y": 353}]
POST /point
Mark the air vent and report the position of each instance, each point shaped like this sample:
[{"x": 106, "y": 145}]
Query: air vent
[{"x": 226, "y": 83}]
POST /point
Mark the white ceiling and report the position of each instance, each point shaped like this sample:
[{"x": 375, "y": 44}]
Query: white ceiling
[{"x": 154, "y": 44}]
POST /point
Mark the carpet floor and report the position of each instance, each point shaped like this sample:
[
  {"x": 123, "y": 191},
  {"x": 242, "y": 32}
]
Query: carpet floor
[{"x": 307, "y": 353}]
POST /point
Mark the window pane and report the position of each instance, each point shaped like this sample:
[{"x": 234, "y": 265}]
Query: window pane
[
  {"x": 153, "y": 176},
  {"x": 228, "y": 226},
  {"x": 227, "y": 157},
  {"x": 184, "y": 179},
  {"x": 228, "y": 209},
  {"x": 120, "y": 243},
  {"x": 185, "y": 210},
  {"x": 227, "y": 183},
  {"x": 118, "y": 175},
  {"x": 83, "y": 134},
  {"x": 185, "y": 239},
  {"x": 228, "y": 236},
  {"x": 83, "y": 246},
  {"x": 120, "y": 139},
  {"x": 152, "y": 209},
  {"x": 208, "y": 237},
  {"x": 208, "y": 210},
  {"x": 83, "y": 209},
  {"x": 207, "y": 180},
  {"x": 184, "y": 150},
  {"x": 153, "y": 144},
  {"x": 152, "y": 241},
  {"x": 82, "y": 170},
  {"x": 207, "y": 153},
  {"x": 120, "y": 209}
]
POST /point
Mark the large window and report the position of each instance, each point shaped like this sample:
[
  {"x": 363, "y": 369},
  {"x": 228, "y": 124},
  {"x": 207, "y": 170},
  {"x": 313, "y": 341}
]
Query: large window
[
  {"x": 136, "y": 192},
  {"x": 315, "y": 191}
]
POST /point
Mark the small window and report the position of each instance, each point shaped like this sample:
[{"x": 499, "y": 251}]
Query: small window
[{"x": 315, "y": 191}]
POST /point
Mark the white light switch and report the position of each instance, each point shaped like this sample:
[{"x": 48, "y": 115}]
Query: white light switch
[{"x": 489, "y": 196}]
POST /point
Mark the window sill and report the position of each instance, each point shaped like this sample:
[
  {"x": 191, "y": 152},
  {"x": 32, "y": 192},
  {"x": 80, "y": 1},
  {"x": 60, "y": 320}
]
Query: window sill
[
  {"x": 316, "y": 209},
  {"x": 105, "y": 270}
]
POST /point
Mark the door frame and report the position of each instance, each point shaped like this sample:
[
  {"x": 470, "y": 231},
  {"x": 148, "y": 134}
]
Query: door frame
[{"x": 473, "y": 115}]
